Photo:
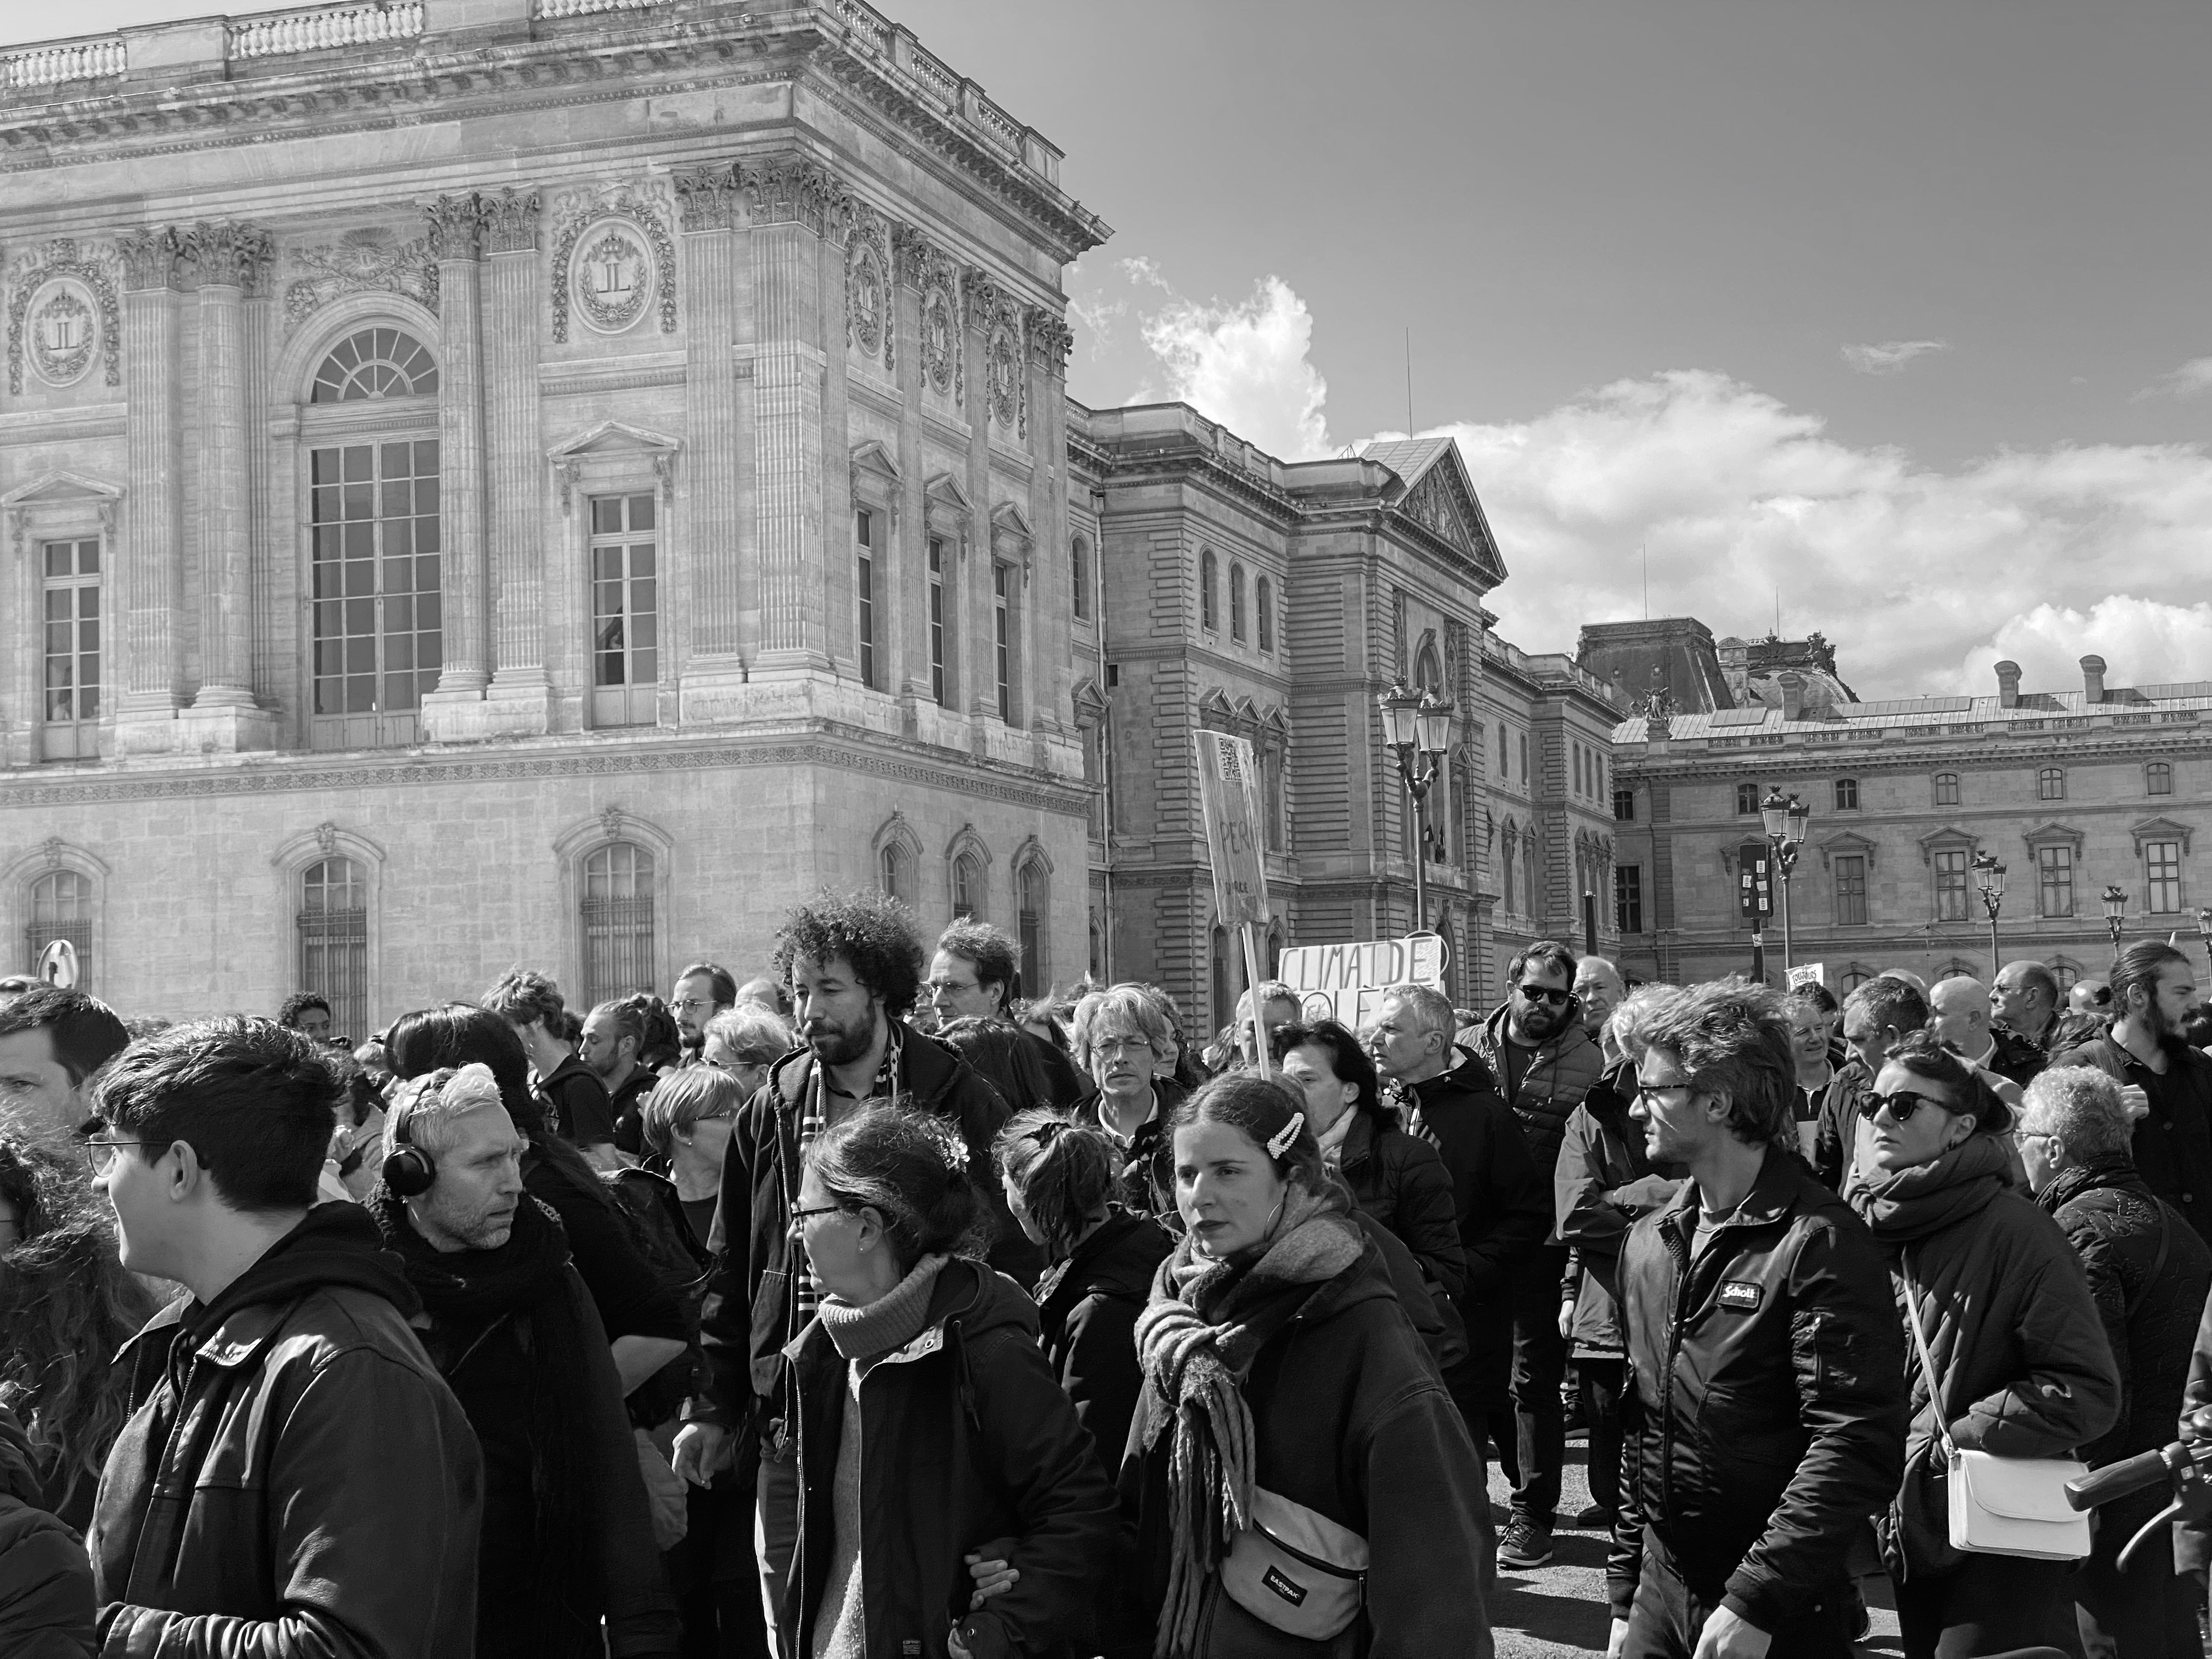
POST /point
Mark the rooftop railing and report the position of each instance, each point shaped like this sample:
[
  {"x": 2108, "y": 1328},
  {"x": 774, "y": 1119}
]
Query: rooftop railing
[
  {"x": 325, "y": 27},
  {"x": 66, "y": 60}
]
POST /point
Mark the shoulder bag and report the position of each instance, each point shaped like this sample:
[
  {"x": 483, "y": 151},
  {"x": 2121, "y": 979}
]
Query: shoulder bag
[
  {"x": 2001, "y": 1505},
  {"x": 1296, "y": 1570}
]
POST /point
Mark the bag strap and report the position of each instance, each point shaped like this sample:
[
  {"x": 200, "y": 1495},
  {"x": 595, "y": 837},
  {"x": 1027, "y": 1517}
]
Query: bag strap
[{"x": 1927, "y": 1360}]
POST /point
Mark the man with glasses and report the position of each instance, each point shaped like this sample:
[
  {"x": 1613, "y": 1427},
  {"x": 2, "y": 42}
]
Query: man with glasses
[
  {"x": 1125, "y": 1041},
  {"x": 52, "y": 1042},
  {"x": 1764, "y": 1343},
  {"x": 1544, "y": 1063},
  {"x": 297, "y": 1477},
  {"x": 975, "y": 974},
  {"x": 703, "y": 991}
]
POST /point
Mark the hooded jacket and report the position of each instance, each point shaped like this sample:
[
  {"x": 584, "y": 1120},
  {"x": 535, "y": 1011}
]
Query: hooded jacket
[
  {"x": 1768, "y": 1391},
  {"x": 2019, "y": 1346},
  {"x": 1561, "y": 1070},
  {"x": 295, "y": 1479},
  {"x": 1087, "y": 1309},
  {"x": 746, "y": 1314},
  {"x": 1350, "y": 1419},
  {"x": 965, "y": 1437},
  {"x": 1503, "y": 1204},
  {"x": 46, "y": 1606}
]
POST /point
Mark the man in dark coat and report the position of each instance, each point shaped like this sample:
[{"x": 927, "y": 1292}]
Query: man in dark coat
[
  {"x": 295, "y": 1479},
  {"x": 1877, "y": 1016},
  {"x": 2150, "y": 1274},
  {"x": 1769, "y": 1368}
]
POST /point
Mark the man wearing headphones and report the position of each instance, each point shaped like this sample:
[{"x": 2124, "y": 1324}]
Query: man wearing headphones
[{"x": 568, "y": 1533}]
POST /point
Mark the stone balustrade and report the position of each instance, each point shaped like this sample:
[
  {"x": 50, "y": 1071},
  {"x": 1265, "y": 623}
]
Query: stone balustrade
[
  {"x": 65, "y": 60},
  {"x": 585, "y": 7},
  {"x": 325, "y": 27}
]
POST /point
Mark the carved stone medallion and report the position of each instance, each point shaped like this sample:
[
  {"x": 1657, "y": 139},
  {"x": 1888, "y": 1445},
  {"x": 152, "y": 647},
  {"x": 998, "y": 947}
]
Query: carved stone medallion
[
  {"x": 63, "y": 332},
  {"x": 64, "y": 315},
  {"x": 865, "y": 297},
  {"x": 940, "y": 342},
  {"x": 611, "y": 278},
  {"x": 1005, "y": 367}
]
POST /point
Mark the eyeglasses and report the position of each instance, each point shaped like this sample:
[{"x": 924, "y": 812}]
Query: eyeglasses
[
  {"x": 799, "y": 1218},
  {"x": 101, "y": 1153},
  {"x": 1551, "y": 993},
  {"x": 1902, "y": 1105},
  {"x": 1653, "y": 1091},
  {"x": 692, "y": 1004},
  {"x": 945, "y": 988},
  {"x": 1119, "y": 1045}
]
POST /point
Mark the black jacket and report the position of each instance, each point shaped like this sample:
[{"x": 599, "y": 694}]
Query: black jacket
[
  {"x": 296, "y": 1480},
  {"x": 965, "y": 1437},
  {"x": 2014, "y": 1057},
  {"x": 1503, "y": 1204},
  {"x": 581, "y": 1114},
  {"x": 47, "y": 1605},
  {"x": 745, "y": 1315},
  {"x": 1769, "y": 1386},
  {"x": 1401, "y": 1180},
  {"x": 2172, "y": 1146},
  {"x": 1835, "y": 1136},
  {"x": 1603, "y": 1152},
  {"x": 1087, "y": 1309}
]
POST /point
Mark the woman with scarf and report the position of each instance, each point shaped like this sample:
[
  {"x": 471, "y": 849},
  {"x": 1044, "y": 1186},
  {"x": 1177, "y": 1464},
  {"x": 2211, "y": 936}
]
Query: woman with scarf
[
  {"x": 1289, "y": 1401},
  {"x": 2021, "y": 1366},
  {"x": 929, "y": 1423}
]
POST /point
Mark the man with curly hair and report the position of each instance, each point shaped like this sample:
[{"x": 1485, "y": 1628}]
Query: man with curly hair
[
  {"x": 856, "y": 970},
  {"x": 308, "y": 1014}
]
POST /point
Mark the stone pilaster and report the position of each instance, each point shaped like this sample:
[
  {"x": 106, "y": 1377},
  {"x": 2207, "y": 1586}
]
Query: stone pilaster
[
  {"x": 909, "y": 255},
  {"x": 513, "y": 466},
  {"x": 979, "y": 298},
  {"x": 1052, "y": 584},
  {"x": 708, "y": 660},
  {"x": 229, "y": 259},
  {"x": 145, "y": 643},
  {"x": 456, "y": 226}
]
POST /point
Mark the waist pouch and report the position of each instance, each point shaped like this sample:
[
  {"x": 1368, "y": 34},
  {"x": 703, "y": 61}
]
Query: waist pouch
[{"x": 1297, "y": 1571}]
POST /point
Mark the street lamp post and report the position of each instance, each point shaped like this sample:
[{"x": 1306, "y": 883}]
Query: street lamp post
[
  {"x": 1989, "y": 877},
  {"x": 1784, "y": 822},
  {"x": 2204, "y": 929},
  {"x": 2116, "y": 913},
  {"x": 1416, "y": 725}
]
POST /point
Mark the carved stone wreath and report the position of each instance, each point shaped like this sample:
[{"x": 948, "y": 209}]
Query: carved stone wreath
[
  {"x": 63, "y": 313},
  {"x": 940, "y": 342},
  {"x": 867, "y": 300},
  {"x": 1004, "y": 364},
  {"x": 612, "y": 277},
  {"x": 589, "y": 224}
]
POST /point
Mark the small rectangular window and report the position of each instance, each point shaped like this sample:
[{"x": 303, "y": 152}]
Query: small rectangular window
[
  {"x": 864, "y": 530},
  {"x": 1628, "y": 898},
  {"x": 1747, "y": 800},
  {"x": 2051, "y": 785},
  {"x": 937, "y": 687},
  {"x": 1851, "y": 890},
  {"x": 2158, "y": 779},
  {"x": 1624, "y": 805},
  {"x": 1002, "y": 629},
  {"x": 2054, "y": 881},
  {"x": 1951, "y": 884},
  {"x": 1078, "y": 562},
  {"x": 1947, "y": 788},
  {"x": 2162, "y": 868},
  {"x": 1847, "y": 794},
  {"x": 625, "y": 610}
]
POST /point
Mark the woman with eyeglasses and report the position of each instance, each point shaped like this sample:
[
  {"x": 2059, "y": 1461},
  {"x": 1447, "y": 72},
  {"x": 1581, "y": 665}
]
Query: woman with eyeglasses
[
  {"x": 67, "y": 1306},
  {"x": 929, "y": 1423},
  {"x": 686, "y": 1129},
  {"x": 2021, "y": 1368}
]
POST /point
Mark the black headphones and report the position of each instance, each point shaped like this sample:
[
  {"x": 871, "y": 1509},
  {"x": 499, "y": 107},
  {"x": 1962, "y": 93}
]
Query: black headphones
[{"x": 408, "y": 1170}]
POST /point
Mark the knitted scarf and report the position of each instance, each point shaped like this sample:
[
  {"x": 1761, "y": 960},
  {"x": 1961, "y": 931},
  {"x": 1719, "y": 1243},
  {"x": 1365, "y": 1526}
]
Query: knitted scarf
[
  {"x": 1206, "y": 1323},
  {"x": 1906, "y": 1207},
  {"x": 525, "y": 1278},
  {"x": 891, "y": 1321}
]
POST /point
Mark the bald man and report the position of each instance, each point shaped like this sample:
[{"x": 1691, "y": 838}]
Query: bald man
[
  {"x": 1599, "y": 988},
  {"x": 1958, "y": 1012}
]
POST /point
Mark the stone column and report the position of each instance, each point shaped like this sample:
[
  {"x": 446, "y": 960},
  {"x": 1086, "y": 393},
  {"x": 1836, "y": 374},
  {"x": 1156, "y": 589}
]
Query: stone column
[
  {"x": 1049, "y": 610},
  {"x": 979, "y": 300},
  {"x": 910, "y": 253},
  {"x": 229, "y": 258},
  {"x": 148, "y": 595},
  {"x": 790, "y": 203},
  {"x": 455, "y": 232},
  {"x": 711, "y": 666},
  {"x": 514, "y": 468}
]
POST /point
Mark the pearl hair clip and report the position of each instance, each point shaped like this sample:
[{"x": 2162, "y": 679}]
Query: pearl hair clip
[{"x": 1280, "y": 1142}]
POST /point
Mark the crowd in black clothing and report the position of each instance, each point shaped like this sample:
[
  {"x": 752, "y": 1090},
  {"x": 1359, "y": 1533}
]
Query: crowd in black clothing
[{"x": 865, "y": 1309}]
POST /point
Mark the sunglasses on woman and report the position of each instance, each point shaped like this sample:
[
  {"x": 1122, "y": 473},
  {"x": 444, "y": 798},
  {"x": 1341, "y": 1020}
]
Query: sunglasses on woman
[{"x": 1902, "y": 1105}]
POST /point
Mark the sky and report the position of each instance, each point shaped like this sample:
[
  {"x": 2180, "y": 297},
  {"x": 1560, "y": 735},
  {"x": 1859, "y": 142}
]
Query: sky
[{"x": 1892, "y": 315}]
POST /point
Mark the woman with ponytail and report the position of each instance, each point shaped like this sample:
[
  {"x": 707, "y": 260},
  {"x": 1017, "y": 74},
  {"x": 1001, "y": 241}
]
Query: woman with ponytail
[
  {"x": 1060, "y": 1177},
  {"x": 1298, "y": 1480},
  {"x": 928, "y": 1422}
]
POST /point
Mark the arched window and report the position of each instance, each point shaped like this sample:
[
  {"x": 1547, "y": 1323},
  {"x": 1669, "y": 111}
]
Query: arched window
[
  {"x": 2064, "y": 972},
  {"x": 617, "y": 931},
  {"x": 1033, "y": 914},
  {"x": 61, "y": 907},
  {"x": 333, "y": 927},
  {"x": 1505, "y": 757},
  {"x": 1509, "y": 893},
  {"x": 895, "y": 872},
  {"x": 967, "y": 886},
  {"x": 1456, "y": 830},
  {"x": 1847, "y": 794},
  {"x": 1855, "y": 976},
  {"x": 376, "y": 362},
  {"x": 1237, "y": 603},
  {"x": 2050, "y": 784},
  {"x": 2158, "y": 779},
  {"x": 1078, "y": 562},
  {"x": 1263, "y": 602},
  {"x": 1207, "y": 572},
  {"x": 1947, "y": 788}
]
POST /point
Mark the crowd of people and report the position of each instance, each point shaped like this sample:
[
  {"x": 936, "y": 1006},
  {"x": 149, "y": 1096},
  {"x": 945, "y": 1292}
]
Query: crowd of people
[{"x": 865, "y": 1309}]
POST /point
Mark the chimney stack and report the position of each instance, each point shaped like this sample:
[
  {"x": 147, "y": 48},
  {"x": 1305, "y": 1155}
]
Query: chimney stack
[
  {"x": 1793, "y": 694},
  {"x": 2092, "y": 679},
  {"x": 2008, "y": 685}
]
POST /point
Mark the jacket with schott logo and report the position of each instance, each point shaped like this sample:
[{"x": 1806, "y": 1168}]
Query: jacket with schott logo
[{"x": 1769, "y": 1391}]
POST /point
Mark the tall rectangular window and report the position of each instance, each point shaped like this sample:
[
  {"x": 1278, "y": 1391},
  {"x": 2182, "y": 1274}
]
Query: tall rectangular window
[
  {"x": 2162, "y": 865},
  {"x": 617, "y": 922},
  {"x": 1003, "y": 638},
  {"x": 378, "y": 621},
  {"x": 1851, "y": 890},
  {"x": 2054, "y": 881},
  {"x": 1628, "y": 898},
  {"x": 1951, "y": 884},
  {"x": 625, "y": 610},
  {"x": 863, "y": 546},
  {"x": 333, "y": 924},
  {"x": 937, "y": 620},
  {"x": 71, "y": 716},
  {"x": 61, "y": 907}
]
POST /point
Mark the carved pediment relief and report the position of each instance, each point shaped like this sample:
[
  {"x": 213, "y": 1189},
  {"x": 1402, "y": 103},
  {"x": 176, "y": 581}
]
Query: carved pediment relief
[
  {"x": 1845, "y": 842},
  {"x": 875, "y": 474},
  {"x": 2160, "y": 830},
  {"x": 59, "y": 500},
  {"x": 2054, "y": 833},
  {"x": 1950, "y": 837},
  {"x": 612, "y": 447}
]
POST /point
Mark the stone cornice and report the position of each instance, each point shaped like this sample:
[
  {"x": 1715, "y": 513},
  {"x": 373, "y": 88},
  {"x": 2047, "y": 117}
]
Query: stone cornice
[{"x": 1688, "y": 760}]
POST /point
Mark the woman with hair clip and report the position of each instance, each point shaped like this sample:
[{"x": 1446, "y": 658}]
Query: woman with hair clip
[
  {"x": 1059, "y": 1178},
  {"x": 1298, "y": 1480},
  {"x": 929, "y": 1421},
  {"x": 67, "y": 1305}
]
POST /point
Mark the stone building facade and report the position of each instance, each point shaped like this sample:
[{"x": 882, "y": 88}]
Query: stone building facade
[
  {"x": 2072, "y": 790},
  {"x": 492, "y": 482}
]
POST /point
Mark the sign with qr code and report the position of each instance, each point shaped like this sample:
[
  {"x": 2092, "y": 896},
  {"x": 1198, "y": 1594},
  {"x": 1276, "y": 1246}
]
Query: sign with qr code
[{"x": 1229, "y": 796}]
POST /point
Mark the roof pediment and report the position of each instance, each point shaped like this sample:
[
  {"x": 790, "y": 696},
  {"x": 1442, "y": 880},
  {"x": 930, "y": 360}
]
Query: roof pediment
[
  {"x": 1948, "y": 836},
  {"x": 612, "y": 437},
  {"x": 1436, "y": 492},
  {"x": 2160, "y": 830}
]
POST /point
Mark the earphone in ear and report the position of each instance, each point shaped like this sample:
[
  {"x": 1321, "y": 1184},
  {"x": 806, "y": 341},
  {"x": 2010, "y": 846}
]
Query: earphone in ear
[{"x": 408, "y": 1170}]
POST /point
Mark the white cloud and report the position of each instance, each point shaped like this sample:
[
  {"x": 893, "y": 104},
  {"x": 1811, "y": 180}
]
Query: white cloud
[
  {"x": 2192, "y": 379},
  {"x": 1243, "y": 364},
  {"x": 1890, "y": 357},
  {"x": 2144, "y": 642}
]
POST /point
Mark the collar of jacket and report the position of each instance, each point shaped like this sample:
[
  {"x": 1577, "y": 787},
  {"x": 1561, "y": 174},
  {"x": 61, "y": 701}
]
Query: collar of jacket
[
  {"x": 925, "y": 1071},
  {"x": 2117, "y": 1174},
  {"x": 1359, "y": 1143},
  {"x": 1570, "y": 1037},
  {"x": 1773, "y": 1194}
]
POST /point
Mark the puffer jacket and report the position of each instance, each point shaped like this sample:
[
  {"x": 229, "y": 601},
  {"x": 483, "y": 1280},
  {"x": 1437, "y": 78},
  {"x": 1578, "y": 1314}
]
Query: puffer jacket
[
  {"x": 2019, "y": 1345},
  {"x": 746, "y": 1314},
  {"x": 1560, "y": 1074},
  {"x": 1602, "y": 1153},
  {"x": 47, "y": 1605},
  {"x": 965, "y": 1439},
  {"x": 1087, "y": 1309},
  {"x": 2150, "y": 1275},
  {"x": 1767, "y": 1398}
]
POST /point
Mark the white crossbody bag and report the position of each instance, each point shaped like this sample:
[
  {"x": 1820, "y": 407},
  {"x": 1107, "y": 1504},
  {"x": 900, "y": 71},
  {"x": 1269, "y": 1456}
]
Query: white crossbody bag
[{"x": 2001, "y": 1505}]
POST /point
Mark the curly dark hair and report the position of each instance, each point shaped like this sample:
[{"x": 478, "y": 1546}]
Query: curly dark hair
[
  {"x": 875, "y": 935},
  {"x": 67, "y": 1305},
  {"x": 298, "y": 1004},
  {"x": 522, "y": 998}
]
